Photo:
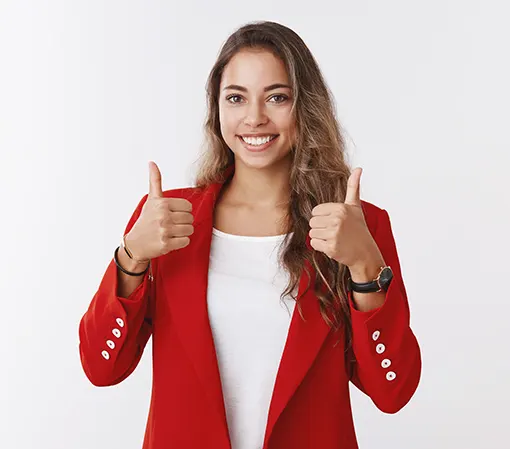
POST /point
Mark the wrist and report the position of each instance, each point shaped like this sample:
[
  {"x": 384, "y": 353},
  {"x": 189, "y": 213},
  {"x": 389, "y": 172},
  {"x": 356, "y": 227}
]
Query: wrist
[
  {"x": 132, "y": 254},
  {"x": 366, "y": 270},
  {"x": 129, "y": 264}
]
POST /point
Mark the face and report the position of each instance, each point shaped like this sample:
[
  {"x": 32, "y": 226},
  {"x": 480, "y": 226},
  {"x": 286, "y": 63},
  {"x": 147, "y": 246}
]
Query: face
[{"x": 255, "y": 101}]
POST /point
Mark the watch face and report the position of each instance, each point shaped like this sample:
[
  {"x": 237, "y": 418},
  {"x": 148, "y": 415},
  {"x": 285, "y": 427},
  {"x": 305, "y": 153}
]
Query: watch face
[{"x": 385, "y": 277}]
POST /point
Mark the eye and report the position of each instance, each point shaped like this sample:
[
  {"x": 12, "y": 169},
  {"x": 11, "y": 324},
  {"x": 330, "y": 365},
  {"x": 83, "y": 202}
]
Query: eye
[
  {"x": 284, "y": 97},
  {"x": 233, "y": 96}
]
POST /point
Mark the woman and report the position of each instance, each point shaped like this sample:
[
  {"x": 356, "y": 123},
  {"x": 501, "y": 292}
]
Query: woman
[{"x": 199, "y": 271}]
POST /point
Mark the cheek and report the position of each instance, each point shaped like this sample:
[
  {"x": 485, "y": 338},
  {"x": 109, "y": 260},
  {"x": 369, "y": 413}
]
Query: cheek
[
  {"x": 290, "y": 128},
  {"x": 228, "y": 131},
  {"x": 285, "y": 121},
  {"x": 228, "y": 122}
]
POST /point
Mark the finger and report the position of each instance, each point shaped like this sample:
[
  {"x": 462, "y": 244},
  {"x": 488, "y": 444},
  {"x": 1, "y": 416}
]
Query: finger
[
  {"x": 182, "y": 218},
  {"x": 321, "y": 233},
  {"x": 353, "y": 187},
  {"x": 179, "y": 205},
  {"x": 155, "y": 188},
  {"x": 182, "y": 230},
  {"x": 319, "y": 245},
  {"x": 323, "y": 209},
  {"x": 318, "y": 222},
  {"x": 178, "y": 243}
]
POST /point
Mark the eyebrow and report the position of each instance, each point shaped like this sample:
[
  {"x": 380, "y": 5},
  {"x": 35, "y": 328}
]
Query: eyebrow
[{"x": 266, "y": 89}]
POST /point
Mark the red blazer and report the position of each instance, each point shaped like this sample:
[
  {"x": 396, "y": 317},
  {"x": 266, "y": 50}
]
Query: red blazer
[{"x": 310, "y": 407}]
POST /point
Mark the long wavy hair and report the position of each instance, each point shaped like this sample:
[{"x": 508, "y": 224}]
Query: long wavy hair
[{"x": 319, "y": 171}]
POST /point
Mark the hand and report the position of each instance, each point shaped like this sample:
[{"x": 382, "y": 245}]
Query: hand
[
  {"x": 164, "y": 224},
  {"x": 339, "y": 230}
]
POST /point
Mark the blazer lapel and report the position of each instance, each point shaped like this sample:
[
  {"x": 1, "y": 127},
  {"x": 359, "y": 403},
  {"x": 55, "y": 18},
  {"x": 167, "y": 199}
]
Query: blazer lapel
[
  {"x": 304, "y": 340},
  {"x": 186, "y": 295},
  {"x": 189, "y": 314}
]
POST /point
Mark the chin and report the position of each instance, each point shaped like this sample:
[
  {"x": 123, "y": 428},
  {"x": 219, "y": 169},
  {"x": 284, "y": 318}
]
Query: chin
[{"x": 261, "y": 161}]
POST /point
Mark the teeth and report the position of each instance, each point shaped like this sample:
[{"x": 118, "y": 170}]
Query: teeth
[{"x": 258, "y": 140}]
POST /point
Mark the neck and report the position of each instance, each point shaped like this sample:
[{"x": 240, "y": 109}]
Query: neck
[{"x": 264, "y": 188}]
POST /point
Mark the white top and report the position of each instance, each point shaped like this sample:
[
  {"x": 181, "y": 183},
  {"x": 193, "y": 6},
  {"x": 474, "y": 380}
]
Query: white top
[{"x": 250, "y": 325}]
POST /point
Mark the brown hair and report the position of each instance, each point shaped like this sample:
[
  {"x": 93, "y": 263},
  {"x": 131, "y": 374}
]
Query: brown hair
[{"x": 319, "y": 170}]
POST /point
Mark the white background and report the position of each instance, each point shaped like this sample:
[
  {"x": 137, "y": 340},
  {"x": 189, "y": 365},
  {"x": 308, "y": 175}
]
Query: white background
[{"x": 91, "y": 91}]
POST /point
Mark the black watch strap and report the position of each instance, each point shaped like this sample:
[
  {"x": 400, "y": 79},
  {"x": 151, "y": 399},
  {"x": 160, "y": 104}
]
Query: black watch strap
[{"x": 381, "y": 283}]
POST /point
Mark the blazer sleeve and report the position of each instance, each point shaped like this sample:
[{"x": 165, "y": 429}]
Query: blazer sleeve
[
  {"x": 388, "y": 359},
  {"x": 114, "y": 330}
]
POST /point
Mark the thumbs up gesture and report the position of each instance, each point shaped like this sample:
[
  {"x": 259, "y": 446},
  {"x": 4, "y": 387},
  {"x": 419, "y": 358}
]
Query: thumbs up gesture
[
  {"x": 339, "y": 230},
  {"x": 164, "y": 225}
]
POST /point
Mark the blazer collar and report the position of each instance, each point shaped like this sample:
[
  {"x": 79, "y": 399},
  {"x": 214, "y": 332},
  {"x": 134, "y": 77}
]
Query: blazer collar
[{"x": 187, "y": 303}]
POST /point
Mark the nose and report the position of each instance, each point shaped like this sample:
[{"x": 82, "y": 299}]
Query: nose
[{"x": 255, "y": 115}]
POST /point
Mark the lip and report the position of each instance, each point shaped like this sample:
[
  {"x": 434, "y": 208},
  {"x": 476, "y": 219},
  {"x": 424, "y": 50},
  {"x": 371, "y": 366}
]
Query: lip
[
  {"x": 258, "y": 148},
  {"x": 259, "y": 135}
]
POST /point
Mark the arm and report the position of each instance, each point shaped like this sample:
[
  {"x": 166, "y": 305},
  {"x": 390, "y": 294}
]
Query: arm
[
  {"x": 114, "y": 330},
  {"x": 388, "y": 359}
]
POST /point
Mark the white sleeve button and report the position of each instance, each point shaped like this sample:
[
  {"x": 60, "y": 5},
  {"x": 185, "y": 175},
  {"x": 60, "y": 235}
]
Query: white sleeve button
[
  {"x": 111, "y": 344},
  {"x": 376, "y": 335},
  {"x": 120, "y": 322},
  {"x": 116, "y": 332},
  {"x": 386, "y": 363},
  {"x": 390, "y": 375},
  {"x": 380, "y": 348},
  {"x": 105, "y": 354}
]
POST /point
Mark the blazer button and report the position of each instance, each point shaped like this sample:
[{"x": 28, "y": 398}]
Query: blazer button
[
  {"x": 386, "y": 363},
  {"x": 120, "y": 322},
  {"x": 116, "y": 332},
  {"x": 380, "y": 348},
  {"x": 111, "y": 344},
  {"x": 390, "y": 375},
  {"x": 105, "y": 355},
  {"x": 375, "y": 335}
]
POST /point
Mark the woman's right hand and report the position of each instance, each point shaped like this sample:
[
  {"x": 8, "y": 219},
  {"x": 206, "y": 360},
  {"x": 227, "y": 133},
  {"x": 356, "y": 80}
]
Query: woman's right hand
[{"x": 164, "y": 224}]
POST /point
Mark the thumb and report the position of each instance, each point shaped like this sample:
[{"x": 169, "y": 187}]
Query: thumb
[
  {"x": 155, "y": 189},
  {"x": 353, "y": 196}
]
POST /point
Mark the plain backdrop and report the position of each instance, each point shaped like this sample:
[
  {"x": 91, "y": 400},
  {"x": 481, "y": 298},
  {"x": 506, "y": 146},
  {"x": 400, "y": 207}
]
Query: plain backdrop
[{"x": 91, "y": 91}]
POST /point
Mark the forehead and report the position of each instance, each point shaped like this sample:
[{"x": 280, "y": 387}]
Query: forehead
[{"x": 254, "y": 69}]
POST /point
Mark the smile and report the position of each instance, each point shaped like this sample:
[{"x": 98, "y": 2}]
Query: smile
[
  {"x": 255, "y": 141},
  {"x": 258, "y": 144}
]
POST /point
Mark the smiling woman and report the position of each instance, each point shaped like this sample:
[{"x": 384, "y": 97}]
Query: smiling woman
[{"x": 275, "y": 216}]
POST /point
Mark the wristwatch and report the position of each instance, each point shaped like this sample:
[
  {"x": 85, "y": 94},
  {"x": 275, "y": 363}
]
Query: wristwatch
[{"x": 380, "y": 283}]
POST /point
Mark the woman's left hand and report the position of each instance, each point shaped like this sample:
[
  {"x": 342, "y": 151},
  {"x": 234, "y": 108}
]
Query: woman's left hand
[{"x": 339, "y": 230}]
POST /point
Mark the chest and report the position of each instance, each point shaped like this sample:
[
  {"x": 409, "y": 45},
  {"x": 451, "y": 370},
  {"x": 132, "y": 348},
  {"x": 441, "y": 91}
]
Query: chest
[{"x": 250, "y": 222}]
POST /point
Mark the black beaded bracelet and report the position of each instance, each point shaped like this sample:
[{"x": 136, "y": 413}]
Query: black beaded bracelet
[{"x": 124, "y": 270}]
